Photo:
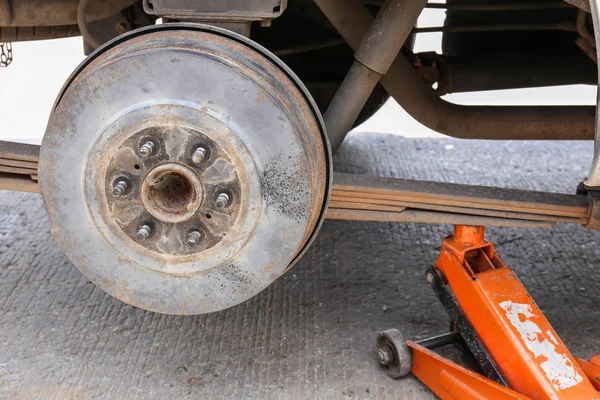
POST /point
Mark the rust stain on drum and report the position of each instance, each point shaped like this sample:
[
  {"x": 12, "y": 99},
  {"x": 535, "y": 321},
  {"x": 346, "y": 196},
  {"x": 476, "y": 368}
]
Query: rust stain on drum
[{"x": 312, "y": 168}]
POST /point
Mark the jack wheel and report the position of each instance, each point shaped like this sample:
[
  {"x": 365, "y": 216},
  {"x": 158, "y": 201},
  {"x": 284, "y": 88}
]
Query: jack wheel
[{"x": 393, "y": 353}]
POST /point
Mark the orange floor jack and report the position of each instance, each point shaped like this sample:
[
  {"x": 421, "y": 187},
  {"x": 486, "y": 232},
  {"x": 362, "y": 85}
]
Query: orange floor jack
[{"x": 502, "y": 332}]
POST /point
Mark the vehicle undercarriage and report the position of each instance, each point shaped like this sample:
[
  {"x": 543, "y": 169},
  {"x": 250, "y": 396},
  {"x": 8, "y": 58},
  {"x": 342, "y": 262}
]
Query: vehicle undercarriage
[{"x": 188, "y": 164}]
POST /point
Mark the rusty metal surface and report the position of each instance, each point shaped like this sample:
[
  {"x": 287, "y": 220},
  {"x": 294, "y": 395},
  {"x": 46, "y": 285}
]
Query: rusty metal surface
[
  {"x": 18, "y": 182},
  {"x": 402, "y": 81},
  {"x": 222, "y": 10},
  {"x": 26, "y": 33},
  {"x": 259, "y": 112},
  {"x": 594, "y": 220},
  {"x": 374, "y": 204},
  {"x": 432, "y": 217},
  {"x": 57, "y": 12},
  {"x": 18, "y": 163},
  {"x": 366, "y": 198},
  {"x": 18, "y": 166},
  {"x": 462, "y": 195},
  {"x": 19, "y": 151},
  {"x": 17, "y": 170}
]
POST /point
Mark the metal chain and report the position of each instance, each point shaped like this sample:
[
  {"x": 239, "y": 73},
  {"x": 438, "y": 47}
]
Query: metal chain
[{"x": 6, "y": 55}]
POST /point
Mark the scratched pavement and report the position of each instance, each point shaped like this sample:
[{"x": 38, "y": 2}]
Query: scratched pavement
[{"x": 311, "y": 334}]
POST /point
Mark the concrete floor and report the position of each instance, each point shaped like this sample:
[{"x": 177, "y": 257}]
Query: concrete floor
[{"x": 311, "y": 334}]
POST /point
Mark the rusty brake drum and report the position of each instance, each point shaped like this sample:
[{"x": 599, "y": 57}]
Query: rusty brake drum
[{"x": 184, "y": 168}]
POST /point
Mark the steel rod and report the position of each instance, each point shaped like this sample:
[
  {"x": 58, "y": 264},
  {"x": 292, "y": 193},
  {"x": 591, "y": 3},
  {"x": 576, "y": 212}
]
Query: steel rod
[
  {"x": 440, "y": 340},
  {"x": 379, "y": 47},
  {"x": 348, "y": 101}
]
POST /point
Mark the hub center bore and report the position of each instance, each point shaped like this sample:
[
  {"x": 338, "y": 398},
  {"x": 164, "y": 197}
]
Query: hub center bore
[{"x": 172, "y": 193}]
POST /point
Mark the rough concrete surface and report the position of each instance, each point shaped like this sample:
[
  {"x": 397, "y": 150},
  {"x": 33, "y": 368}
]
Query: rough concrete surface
[{"x": 311, "y": 334}]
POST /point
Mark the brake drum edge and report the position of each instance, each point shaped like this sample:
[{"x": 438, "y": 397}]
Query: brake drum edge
[{"x": 146, "y": 217}]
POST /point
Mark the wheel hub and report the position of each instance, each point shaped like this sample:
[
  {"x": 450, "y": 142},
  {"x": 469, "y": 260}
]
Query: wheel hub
[
  {"x": 184, "y": 169},
  {"x": 169, "y": 187},
  {"x": 172, "y": 193}
]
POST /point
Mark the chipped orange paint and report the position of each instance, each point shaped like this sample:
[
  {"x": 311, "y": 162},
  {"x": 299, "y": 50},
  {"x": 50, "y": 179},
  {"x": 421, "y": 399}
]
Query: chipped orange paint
[{"x": 528, "y": 352}]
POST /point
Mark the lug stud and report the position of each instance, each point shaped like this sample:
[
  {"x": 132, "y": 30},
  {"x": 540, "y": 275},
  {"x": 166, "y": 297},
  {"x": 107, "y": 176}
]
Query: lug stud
[
  {"x": 120, "y": 188},
  {"x": 199, "y": 155},
  {"x": 193, "y": 238},
  {"x": 222, "y": 201},
  {"x": 144, "y": 232},
  {"x": 147, "y": 148}
]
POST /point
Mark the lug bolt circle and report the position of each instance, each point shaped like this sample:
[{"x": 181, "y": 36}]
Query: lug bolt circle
[
  {"x": 199, "y": 155},
  {"x": 120, "y": 188},
  {"x": 147, "y": 148},
  {"x": 193, "y": 238},
  {"x": 222, "y": 201},
  {"x": 144, "y": 232}
]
